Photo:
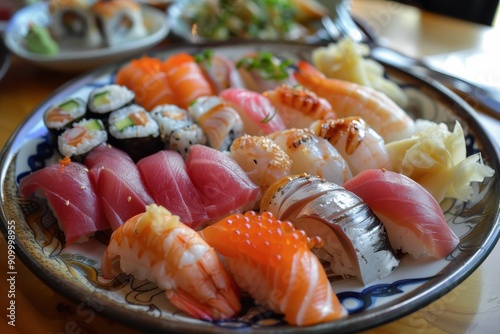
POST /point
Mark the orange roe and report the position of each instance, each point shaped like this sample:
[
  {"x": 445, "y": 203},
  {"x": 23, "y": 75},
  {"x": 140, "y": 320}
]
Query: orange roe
[
  {"x": 64, "y": 162},
  {"x": 263, "y": 238}
]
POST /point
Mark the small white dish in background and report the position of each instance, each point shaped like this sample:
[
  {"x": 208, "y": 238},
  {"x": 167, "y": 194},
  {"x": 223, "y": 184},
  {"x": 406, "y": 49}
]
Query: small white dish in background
[{"x": 81, "y": 59}]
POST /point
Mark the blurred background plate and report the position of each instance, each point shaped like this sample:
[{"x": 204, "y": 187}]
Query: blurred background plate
[{"x": 75, "y": 60}]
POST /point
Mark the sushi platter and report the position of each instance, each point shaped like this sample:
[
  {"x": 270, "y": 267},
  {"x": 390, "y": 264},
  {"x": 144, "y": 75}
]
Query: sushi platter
[
  {"x": 78, "y": 269},
  {"x": 84, "y": 53}
]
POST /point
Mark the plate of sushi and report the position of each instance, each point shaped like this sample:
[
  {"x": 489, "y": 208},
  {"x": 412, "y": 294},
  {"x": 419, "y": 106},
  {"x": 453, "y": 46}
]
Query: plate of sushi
[
  {"x": 217, "y": 187},
  {"x": 78, "y": 35}
]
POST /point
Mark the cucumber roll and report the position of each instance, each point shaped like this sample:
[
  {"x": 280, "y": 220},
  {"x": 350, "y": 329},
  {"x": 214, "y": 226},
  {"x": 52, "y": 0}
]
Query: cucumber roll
[
  {"x": 62, "y": 115},
  {"x": 177, "y": 128},
  {"x": 119, "y": 21},
  {"x": 73, "y": 24},
  {"x": 133, "y": 130},
  {"x": 103, "y": 100},
  {"x": 81, "y": 138}
]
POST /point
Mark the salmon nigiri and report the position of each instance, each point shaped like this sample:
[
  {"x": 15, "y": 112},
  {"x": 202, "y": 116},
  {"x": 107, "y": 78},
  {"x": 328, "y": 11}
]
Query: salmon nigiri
[
  {"x": 272, "y": 260},
  {"x": 186, "y": 79},
  {"x": 146, "y": 78},
  {"x": 413, "y": 218}
]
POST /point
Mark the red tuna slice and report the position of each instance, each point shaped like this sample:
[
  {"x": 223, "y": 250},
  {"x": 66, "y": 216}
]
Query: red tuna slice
[
  {"x": 166, "y": 177},
  {"x": 412, "y": 217},
  {"x": 223, "y": 185},
  {"x": 118, "y": 184},
  {"x": 71, "y": 197},
  {"x": 258, "y": 114}
]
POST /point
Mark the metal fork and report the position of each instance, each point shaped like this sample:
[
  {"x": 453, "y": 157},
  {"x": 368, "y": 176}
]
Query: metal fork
[{"x": 340, "y": 24}]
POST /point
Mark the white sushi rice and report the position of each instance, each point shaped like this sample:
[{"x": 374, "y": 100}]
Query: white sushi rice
[
  {"x": 74, "y": 113},
  {"x": 118, "y": 96},
  {"x": 98, "y": 137},
  {"x": 136, "y": 131},
  {"x": 182, "y": 139},
  {"x": 170, "y": 118}
]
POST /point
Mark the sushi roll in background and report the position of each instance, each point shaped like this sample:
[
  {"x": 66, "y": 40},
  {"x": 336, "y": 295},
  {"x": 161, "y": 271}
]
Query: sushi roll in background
[
  {"x": 62, "y": 115},
  {"x": 133, "y": 130},
  {"x": 103, "y": 100},
  {"x": 81, "y": 138},
  {"x": 177, "y": 128},
  {"x": 220, "y": 122},
  {"x": 72, "y": 24},
  {"x": 119, "y": 20}
]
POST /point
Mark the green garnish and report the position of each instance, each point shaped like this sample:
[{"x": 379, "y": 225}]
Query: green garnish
[
  {"x": 268, "y": 118},
  {"x": 204, "y": 57},
  {"x": 266, "y": 65}
]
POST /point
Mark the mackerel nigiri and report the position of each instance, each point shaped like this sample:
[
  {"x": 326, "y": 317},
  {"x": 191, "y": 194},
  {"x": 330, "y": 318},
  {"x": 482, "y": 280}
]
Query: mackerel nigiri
[
  {"x": 413, "y": 218},
  {"x": 272, "y": 260},
  {"x": 71, "y": 197}
]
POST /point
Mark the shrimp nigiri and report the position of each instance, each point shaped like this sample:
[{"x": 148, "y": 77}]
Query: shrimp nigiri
[
  {"x": 156, "y": 246},
  {"x": 361, "y": 146},
  {"x": 351, "y": 99},
  {"x": 298, "y": 106},
  {"x": 273, "y": 261}
]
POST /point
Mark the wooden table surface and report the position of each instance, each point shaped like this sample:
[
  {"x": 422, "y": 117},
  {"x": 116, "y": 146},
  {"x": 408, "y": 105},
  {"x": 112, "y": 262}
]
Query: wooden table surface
[{"x": 472, "y": 307}]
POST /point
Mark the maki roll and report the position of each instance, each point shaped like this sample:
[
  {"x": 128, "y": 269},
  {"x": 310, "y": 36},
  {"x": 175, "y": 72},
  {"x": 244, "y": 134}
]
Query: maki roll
[
  {"x": 80, "y": 139},
  {"x": 119, "y": 21},
  {"x": 73, "y": 24},
  {"x": 103, "y": 100},
  {"x": 62, "y": 115},
  {"x": 133, "y": 130},
  {"x": 220, "y": 122},
  {"x": 177, "y": 129}
]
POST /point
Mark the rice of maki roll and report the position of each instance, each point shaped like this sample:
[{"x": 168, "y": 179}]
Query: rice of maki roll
[
  {"x": 81, "y": 138},
  {"x": 62, "y": 115},
  {"x": 103, "y": 100},
  {"x": 133, "y": 130},
  {"x": 177, "y": 128}
]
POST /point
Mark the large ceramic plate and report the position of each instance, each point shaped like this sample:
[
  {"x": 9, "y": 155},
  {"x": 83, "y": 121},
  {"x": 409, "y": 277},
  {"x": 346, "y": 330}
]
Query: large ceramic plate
[
  {"x": 71, "y": 59},
  {"x": 75, "y": 271}
]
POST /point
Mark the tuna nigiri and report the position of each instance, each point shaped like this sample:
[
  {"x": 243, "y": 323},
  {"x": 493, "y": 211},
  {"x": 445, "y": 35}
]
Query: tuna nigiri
[
  {"x": 413, "y": 218},
  {"x": 71, "y": 197},
  {"x": 118, "y": 184},
  {"x": 222, "y": 184},
  {"x": 166, "y": 177},
  {"x": 273, "y": 262},
  {"x": 156, "y": 246}
]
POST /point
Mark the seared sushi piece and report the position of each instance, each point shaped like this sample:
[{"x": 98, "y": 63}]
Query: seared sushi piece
[
  {"x": 73, "y": 24},
  {"x": 133, "y": 130},
  {"x": 119, "y": 21},
  {"x": 356, "y": 243},
  {"x": 80, "y": 139},
  {"x": 62, "y": 115},
  {"x": 177, "y": 128},
  {"x": 103, "y": 100},
  {"x": 220, "y": 122}
]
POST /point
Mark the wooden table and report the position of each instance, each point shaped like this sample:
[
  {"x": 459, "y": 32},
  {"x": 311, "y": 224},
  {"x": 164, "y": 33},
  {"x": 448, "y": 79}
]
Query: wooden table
[{"x": 472, "y": 307}]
